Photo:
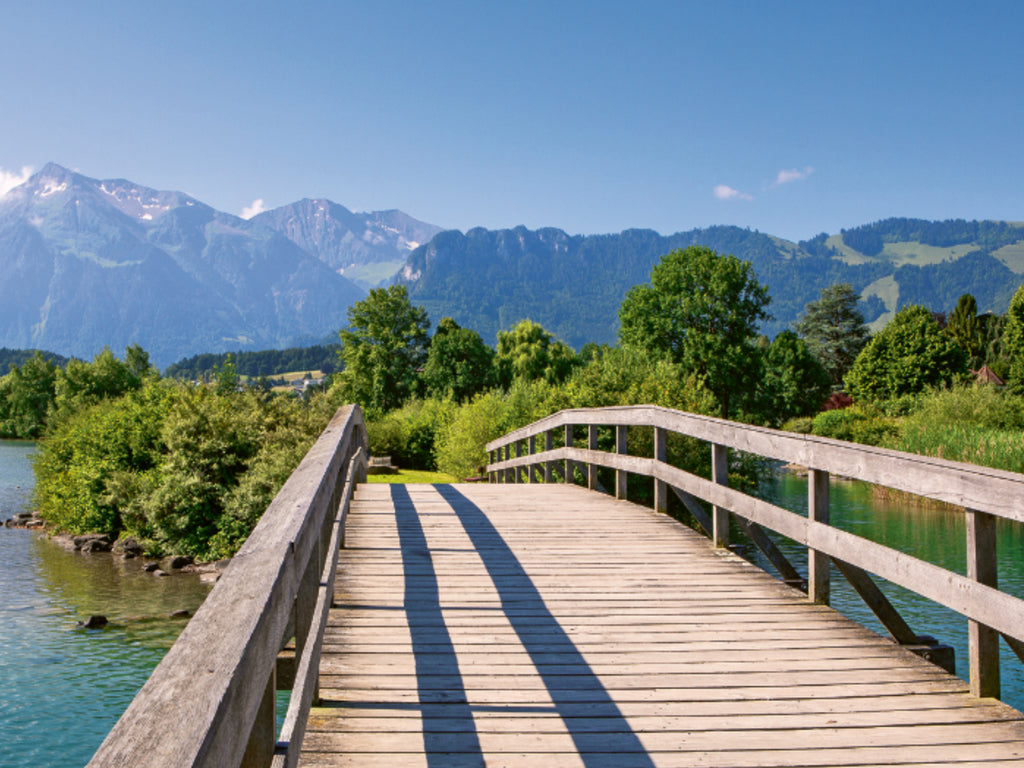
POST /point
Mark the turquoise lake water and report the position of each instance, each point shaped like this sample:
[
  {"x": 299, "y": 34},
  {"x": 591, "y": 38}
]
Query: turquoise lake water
[{"x": 63, "y": 688}]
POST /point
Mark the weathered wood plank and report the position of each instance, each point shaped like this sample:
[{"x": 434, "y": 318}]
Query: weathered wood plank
[{"x": 623, "y": 643}]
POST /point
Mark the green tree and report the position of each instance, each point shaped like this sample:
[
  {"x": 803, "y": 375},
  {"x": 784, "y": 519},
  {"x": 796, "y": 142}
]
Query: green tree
[
  {"x": 528, "y": 352},
  {"x": 1013, "y": 341},
  {"x": 834, "y": 329},
  {"x": 965, "y": 329},
  {"x": 795, "y": 383},
  {"x": 459, "y": 363},
  {"x": 226, "y": 376},
  {"x": 383, "y": 348},
  {"x": 27, "y": 395},
  {"x": 909, "y": 355},
  {"x": 79, "y": 384},
  {"x": 700, "y": 310}
]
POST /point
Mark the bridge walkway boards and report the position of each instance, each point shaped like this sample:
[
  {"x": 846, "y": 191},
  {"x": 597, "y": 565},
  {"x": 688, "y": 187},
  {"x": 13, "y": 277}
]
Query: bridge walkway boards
[{"x": 549, "y": 626}]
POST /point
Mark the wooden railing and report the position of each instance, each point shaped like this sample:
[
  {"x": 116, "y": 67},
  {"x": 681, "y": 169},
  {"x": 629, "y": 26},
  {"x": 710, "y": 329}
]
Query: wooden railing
[
  {"x": 211, "y": 700},
  {"x": 985, "y": 494}
]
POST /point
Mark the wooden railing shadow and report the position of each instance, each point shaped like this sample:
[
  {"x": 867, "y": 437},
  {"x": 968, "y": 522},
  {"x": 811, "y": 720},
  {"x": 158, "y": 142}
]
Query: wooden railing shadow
[
  {"x": 211, "y": 700},
  {"x": 546, "y": 451}
]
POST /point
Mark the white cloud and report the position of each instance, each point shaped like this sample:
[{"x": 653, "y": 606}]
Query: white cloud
[
  {"x": 723, "y": 192},
  {"x": 9, "y": 179},
  {"x": 251, "y": 210},
  {"x": 789, "y": 175}
]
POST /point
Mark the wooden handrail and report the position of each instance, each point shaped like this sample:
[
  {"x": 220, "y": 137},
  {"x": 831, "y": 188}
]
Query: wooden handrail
[
  {"x": 210, "y": 701},
  {"x": 985, "y": 494}
]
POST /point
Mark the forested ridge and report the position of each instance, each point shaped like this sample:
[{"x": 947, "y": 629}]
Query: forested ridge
[
  {"x": 573, "y": 284},
  {"x": 268, "y": 362}
]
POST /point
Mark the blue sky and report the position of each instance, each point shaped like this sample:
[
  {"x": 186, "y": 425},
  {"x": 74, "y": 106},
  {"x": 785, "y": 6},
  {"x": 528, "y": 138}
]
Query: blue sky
[{"x": 789, "y": 117}]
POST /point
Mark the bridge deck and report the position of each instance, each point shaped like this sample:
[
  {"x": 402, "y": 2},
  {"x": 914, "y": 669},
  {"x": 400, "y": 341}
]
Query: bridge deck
[{"x": 545, "y": 625}]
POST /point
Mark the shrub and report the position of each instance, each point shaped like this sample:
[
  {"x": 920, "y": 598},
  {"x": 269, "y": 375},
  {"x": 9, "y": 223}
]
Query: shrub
[{"x": 856, "y": 424}]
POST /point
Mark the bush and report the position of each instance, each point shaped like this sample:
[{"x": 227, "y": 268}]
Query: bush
[
  {"x": 409, "y": 434},
  {"x": 460, "y": 449},
  {"x": 803, "y": 425},
  {"x": 977, "y": 424},
  {"x": 184, "y": 469},
  {"x": 867, "y": 426}
]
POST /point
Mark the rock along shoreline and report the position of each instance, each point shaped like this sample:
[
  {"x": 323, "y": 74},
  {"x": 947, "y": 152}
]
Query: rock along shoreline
[{"x": 127, "y": 548}]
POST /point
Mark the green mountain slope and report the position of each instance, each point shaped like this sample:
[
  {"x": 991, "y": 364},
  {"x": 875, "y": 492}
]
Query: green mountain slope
[{"x": 573, "y": 284}]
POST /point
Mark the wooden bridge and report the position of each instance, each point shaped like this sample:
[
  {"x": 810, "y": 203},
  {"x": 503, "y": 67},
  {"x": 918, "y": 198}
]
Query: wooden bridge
[{"x": 550, "y": 624}]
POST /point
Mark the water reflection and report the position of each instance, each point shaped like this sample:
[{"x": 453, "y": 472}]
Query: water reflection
[{"x": 936, "y": 535}]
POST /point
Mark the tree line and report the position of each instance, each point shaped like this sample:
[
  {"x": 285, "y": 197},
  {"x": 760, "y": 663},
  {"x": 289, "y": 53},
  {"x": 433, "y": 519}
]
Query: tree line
[
  {"x": 267, "y": 362},
  {"x": 189, "y": 468}
]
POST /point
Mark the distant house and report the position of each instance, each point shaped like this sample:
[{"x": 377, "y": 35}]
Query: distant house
[{"x": 986, "y": 375}]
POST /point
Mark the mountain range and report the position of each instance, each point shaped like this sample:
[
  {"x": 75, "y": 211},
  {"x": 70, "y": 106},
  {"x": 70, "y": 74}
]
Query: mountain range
[
  {"x": 86, "y": 263},
  {"x": 573, "y": 284}
]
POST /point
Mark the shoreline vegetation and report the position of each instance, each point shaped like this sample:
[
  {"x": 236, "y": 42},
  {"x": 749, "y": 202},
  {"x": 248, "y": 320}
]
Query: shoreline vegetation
[{"x": 188, "y": 468}]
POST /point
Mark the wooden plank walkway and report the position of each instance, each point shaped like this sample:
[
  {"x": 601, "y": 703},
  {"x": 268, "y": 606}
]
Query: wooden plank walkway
[{"x": 550, "y": 626}]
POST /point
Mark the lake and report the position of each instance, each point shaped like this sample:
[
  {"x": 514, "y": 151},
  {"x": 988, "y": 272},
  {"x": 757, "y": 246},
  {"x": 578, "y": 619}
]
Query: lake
[{"x": 63, "y": 688}]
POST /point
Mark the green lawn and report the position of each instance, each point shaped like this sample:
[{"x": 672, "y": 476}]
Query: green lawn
[{"x": 412, "y": 476}]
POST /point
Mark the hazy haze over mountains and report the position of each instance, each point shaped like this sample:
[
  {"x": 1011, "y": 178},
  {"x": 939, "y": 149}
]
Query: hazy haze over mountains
[{"x": 86, "y": 263}]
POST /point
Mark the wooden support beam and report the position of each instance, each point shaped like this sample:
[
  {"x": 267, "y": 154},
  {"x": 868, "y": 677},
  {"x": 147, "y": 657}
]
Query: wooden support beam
[
  {"x": 818, "y": 582},
  {"x": 720, "y": 475},
  {"x": 592, "y": 482},
  {"x": 982, "y": 641},
  {"x": 695, "y": 509},
  {"x": 549, "y": 466},
  {"x": 259, "y": 751},
  {"x": 569, "y": 473},
  {"x": 764, "y": 542},
  {"x": 531, "y": 469},
  {"x": 1015, "y": 645},
  {"x": 861, "y": 581},
  {"x": 620, "y": 474},
  {"x": 660, "y": 454}
]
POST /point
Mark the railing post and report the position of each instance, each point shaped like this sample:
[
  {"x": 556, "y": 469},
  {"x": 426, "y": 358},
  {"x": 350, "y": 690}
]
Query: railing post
[
  {"x": 818, "y": 583},
  {"x": 549, "y": 466},
  {"x": 569, "y": 470},
  {"x": 720, "y": 475},
  {"x": 620, "y": 474},
  {"x": 592, "y": 468},
  {"x": 531, "y": 468},
  {"x": 982, "y": 641},
  {"x": 492, "y": 457},
  {"x": 259, "y": 751},
  {"x": 660, "y": 454},
  {"x": 518, "y": 470}
]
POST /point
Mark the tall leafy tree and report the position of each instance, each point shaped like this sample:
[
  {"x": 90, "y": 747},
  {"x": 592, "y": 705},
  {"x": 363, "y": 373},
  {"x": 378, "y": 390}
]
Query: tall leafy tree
[
  {"x": 700, "y": 310},
  {"x": 795, "y": 383},
  {"x": 834, "y": 329},
  {"x": 910, "y": 354},
  {"x": 1013, "y": 341},
  {"x": 383, "y": 349},
  {"x": 27, "y": 395},
  {"x": 459, "y": 363},
  {"x": 528, "y": 352},
  {"x": 965, "y": 329}
]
